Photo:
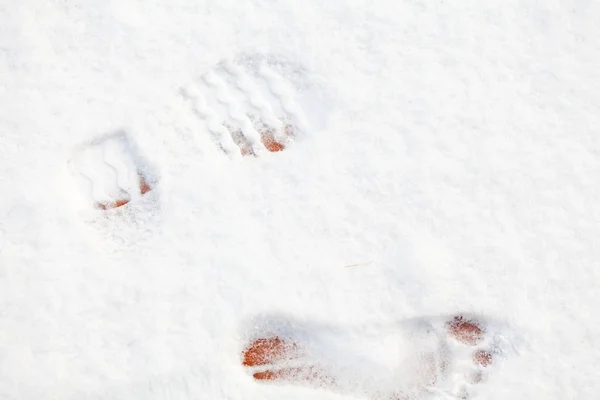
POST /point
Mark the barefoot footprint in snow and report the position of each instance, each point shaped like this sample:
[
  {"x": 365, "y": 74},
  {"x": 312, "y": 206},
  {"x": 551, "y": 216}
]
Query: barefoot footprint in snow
[
  {"x": 110, "y": 173},
  {"x": 448, "y": 357},
  {"x": 249, "y": 108}
]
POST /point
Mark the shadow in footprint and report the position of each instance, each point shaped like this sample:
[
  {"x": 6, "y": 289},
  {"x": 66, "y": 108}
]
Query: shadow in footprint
[
  {"x": 254, "y": 104},
  {"x": 413, "y": 359},
  {"x": 111, "y": 172}
]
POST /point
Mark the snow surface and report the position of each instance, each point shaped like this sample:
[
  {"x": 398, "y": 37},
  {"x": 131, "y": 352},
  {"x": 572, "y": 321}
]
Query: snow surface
[{"x": 458, "y": 163}]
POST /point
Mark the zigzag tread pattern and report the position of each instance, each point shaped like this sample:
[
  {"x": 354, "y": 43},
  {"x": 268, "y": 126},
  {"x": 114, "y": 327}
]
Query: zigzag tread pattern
[
  {"x": 108, "y": 173},
  {"x": 246, "y": 112}
]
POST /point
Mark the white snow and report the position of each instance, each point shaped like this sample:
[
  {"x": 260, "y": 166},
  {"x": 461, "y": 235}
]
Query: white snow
[{"x": 456, "y": 160}]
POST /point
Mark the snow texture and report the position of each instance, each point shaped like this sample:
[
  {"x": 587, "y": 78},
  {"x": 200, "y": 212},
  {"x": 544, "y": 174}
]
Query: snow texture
[{"x": 441, "y": 158}]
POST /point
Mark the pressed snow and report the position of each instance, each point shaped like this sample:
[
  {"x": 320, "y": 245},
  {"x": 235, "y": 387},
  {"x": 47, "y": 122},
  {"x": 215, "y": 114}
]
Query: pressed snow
[{"x": 453, "y": 155}]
